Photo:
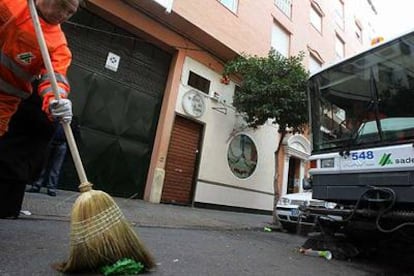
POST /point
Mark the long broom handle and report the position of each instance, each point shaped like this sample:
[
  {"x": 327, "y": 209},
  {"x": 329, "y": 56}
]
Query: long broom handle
[{"x": 66, "y": 126}]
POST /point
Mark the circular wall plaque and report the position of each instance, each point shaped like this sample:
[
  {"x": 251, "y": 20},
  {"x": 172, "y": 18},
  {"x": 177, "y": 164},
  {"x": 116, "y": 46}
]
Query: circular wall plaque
[
  {"x": 193, "y": 103},
  {"x": 242, "y": 156}
]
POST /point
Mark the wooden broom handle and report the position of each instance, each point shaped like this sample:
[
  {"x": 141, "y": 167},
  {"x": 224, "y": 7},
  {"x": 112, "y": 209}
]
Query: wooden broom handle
[{"x": 66, "y": 125}]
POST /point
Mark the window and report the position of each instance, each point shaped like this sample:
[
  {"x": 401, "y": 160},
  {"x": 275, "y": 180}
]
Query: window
[
  {"x": 339, "y": 48},
  {"x": 242, "y": 156},
  {"x": 316, "y": 18},
  {"x": 280, "y": 40},
  {"x": 285, "y": 6},
  {"x": 314, "y": 64},
  {"x": 358, "y": 31},
  {"x": 198, "y": 82},
  {"x": 339, "y": 14},
  {"x": 167, "y": 4},
  {"x": 370, "y": 32},
  {"x": 230, "y": 4}
]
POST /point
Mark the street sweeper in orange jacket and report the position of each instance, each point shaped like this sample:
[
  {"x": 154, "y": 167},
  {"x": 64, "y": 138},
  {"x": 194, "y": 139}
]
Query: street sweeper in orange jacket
[{"x": 21, "y": 66}]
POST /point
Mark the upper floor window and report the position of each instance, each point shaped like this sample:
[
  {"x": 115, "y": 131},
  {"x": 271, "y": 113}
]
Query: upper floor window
[
  {"x": 316, "y": 18},
  {"x": 167, "y": 4},
  {"x": 280, "y": 40},
  {"x": 230, "y": 4},
  {"x": 285, "y": 6},
  {"x": 339, "y": 48},
  {"x": 369, "y": 31},
  {"x": 314, "y": 64},
  {"x": 198, "y": 82},
  {"x": 339, "y": 14},
  {"x": 358, "y": 31}
]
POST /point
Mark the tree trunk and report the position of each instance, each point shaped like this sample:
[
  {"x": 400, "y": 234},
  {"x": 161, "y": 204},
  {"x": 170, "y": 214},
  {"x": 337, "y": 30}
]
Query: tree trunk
[{"x": 276, "y": 223}]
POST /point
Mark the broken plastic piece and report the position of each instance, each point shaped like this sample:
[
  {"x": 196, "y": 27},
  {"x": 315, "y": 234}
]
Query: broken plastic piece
[{"x": 317, "y": 253}]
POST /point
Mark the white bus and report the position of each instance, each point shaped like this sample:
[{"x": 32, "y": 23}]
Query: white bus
[{"x": 362, "y": 125}]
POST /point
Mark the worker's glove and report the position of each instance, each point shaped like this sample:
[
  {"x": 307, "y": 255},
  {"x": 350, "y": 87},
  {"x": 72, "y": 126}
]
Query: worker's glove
[{"x": 61, "y": 110}]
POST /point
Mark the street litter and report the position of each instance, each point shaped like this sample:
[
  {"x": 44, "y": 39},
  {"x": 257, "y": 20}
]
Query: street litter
[
  {"x": 123, "y": 267},
  {"x": 317, "y": 253},
  {"x": 267, "y": 229}
]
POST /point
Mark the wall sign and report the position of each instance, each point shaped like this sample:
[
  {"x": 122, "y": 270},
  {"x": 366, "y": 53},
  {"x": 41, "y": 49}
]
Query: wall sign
[
  {"x": 193, "y": 103},
  {"x": 112, "y": 62}
]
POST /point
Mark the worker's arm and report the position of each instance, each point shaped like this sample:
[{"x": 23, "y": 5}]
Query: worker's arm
[{"x": 61, "y": 59}]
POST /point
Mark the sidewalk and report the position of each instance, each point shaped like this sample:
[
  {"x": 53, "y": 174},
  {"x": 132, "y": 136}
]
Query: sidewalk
[{"x": 142, "y": 213}]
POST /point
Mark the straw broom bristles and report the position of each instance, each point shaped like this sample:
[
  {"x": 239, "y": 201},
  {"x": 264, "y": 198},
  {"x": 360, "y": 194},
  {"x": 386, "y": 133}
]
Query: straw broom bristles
[{"x": 100, "y": 235}]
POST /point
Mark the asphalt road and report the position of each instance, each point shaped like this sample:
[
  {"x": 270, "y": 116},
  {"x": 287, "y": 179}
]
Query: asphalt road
[{"x": 29, "y": 245}]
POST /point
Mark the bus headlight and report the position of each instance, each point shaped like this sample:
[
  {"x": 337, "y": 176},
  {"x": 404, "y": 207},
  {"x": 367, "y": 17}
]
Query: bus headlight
[
  {"x": 328, "y": 163},
  {"x": 330, "y": 205}
]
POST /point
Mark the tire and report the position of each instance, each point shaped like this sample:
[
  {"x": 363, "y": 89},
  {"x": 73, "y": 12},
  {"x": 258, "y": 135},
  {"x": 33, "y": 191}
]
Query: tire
[{"x": 289, "y": 227}]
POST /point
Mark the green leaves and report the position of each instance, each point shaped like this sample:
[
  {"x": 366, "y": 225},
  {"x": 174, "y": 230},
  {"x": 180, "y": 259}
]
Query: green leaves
[
  {"x": 123, "y": 267},
  {"x": 272, "y": 87}
]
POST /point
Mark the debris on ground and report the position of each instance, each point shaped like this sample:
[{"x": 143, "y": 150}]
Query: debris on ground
[
  {"x": 123, "y": 267},
  {"x": 339, "y": 245},
  {"x": 316, "y": 253}
]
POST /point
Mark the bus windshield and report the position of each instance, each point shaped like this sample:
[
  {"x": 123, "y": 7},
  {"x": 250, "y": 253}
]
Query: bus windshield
[{"x": 365, "y": 101}]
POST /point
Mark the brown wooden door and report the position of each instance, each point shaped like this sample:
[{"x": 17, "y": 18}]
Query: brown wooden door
[{"x": 182, "y": 162}]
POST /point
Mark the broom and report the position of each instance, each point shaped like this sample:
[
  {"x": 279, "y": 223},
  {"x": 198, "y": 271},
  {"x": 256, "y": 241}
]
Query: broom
[{"x": 100, "y": 234}]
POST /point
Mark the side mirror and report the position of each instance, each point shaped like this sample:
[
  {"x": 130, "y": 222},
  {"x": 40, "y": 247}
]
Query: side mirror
[{"x": 307, "y": 183}]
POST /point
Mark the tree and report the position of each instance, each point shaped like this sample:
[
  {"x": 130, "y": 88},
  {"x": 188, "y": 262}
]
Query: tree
[{"x": 272, "y": 87}]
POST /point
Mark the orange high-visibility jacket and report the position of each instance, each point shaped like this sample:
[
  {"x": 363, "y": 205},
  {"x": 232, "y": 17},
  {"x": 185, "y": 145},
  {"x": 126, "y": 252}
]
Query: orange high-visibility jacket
[{"x": 21, "y": 61}]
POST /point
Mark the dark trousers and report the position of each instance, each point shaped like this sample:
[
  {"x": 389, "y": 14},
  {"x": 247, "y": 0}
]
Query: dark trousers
[
  {"x": 22, "y": 153},
  {"x": 11, "y": 198},
  {"x": 49, "y": 176}
]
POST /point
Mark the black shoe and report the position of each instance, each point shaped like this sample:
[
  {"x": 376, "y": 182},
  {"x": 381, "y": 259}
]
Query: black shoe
[
  {"x": 10, "y": 215},
  {"x": 51, "y": 193},
  {"x": 33, "y": 190}
]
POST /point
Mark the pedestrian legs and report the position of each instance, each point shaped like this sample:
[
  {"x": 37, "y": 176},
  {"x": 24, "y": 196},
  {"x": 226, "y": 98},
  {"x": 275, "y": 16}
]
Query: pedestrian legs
[{"x": 58, "y": 152}]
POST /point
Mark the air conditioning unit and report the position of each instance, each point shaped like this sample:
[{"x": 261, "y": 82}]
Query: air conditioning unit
[{"x": 216, "y": 96}]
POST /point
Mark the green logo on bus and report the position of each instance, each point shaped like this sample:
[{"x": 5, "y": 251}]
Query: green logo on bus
[{"x": 385, "y": 159}]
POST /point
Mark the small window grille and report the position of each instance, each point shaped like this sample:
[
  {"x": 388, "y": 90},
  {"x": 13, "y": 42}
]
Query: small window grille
[{"x": 198, "y": 82}]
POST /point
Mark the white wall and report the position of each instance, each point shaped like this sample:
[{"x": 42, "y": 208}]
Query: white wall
[{"x": 216, "y": 184}]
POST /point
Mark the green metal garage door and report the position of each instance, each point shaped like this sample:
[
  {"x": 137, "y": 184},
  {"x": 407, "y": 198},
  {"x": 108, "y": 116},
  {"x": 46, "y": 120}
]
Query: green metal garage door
[{"x": 115, "y": 111}]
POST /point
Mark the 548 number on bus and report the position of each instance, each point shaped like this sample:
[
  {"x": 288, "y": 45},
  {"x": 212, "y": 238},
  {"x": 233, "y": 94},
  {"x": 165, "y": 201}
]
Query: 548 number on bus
[{"x": 362, "y": 155}]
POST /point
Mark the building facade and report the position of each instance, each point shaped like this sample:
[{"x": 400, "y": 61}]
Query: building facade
[{"x": 154, "y": 114}]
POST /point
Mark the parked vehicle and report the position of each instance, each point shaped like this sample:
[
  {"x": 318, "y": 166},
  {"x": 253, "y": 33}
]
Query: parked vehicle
[{"x": 290, "y": 214}]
